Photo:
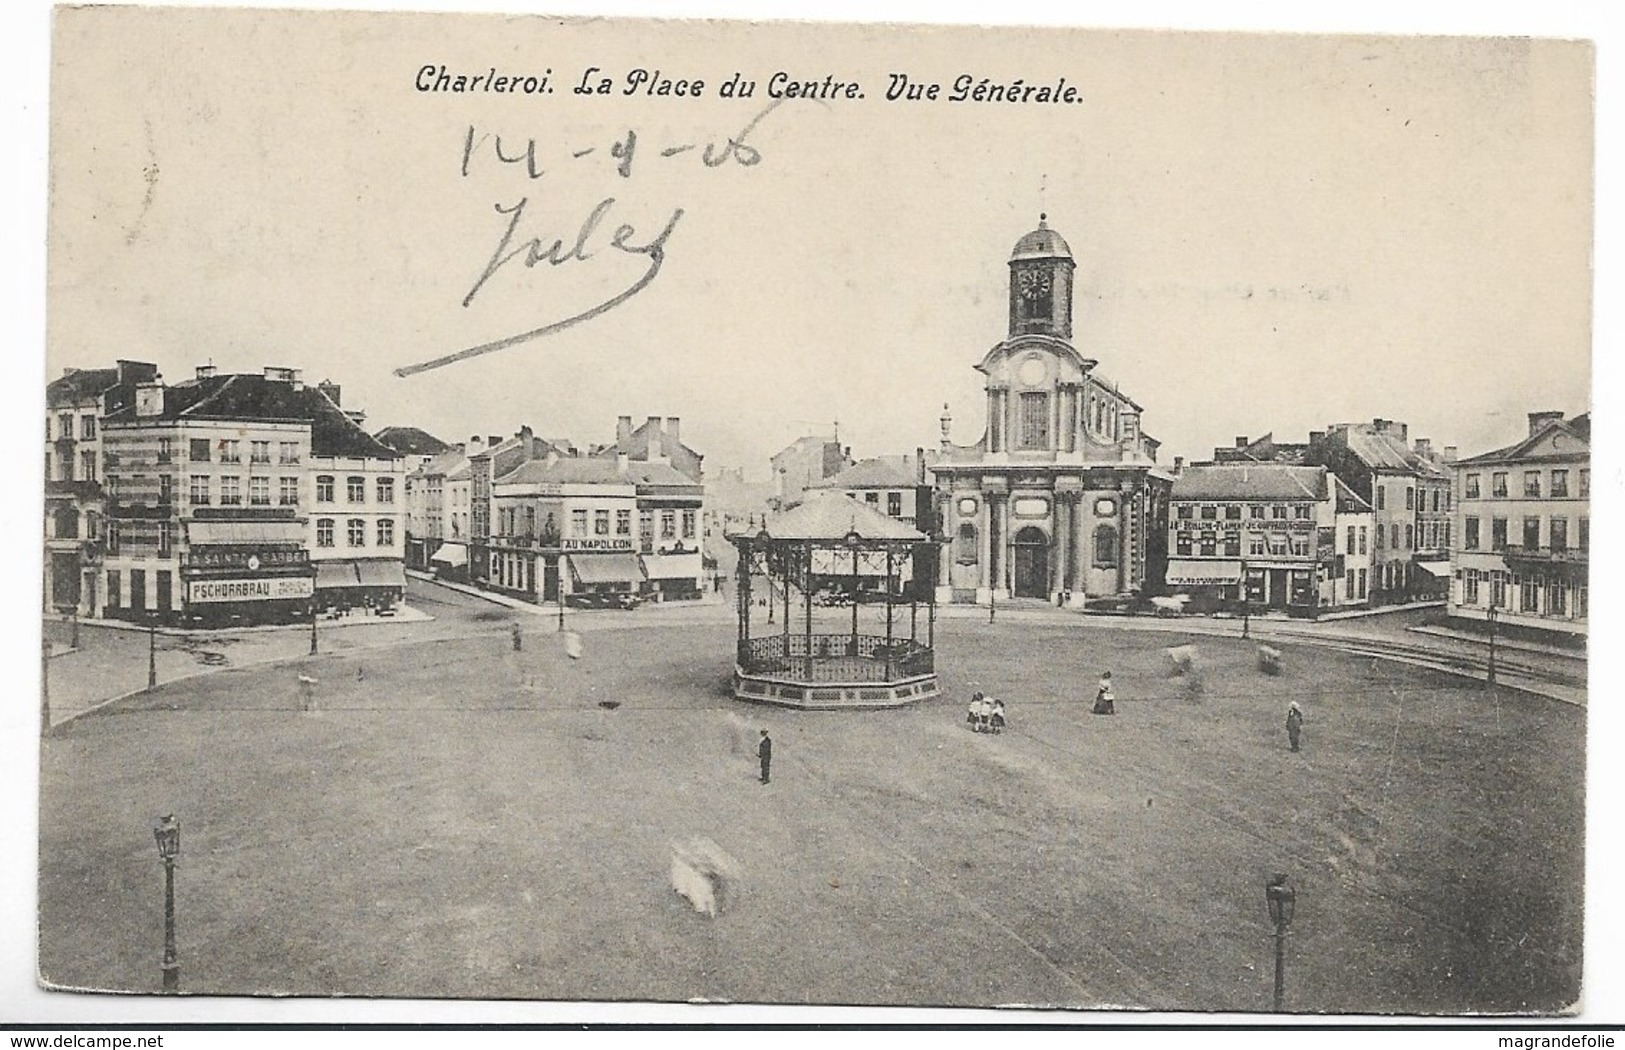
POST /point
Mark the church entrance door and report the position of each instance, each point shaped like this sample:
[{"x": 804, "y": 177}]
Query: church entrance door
[{"x": 1031, "y": 564}]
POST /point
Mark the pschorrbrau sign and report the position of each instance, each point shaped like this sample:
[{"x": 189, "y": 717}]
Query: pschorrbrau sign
[{"x": 203, "y": 591}]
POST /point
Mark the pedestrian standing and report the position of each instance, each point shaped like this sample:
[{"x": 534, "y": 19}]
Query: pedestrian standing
[
  {"x": 1105, "y": 702},
  {"x": 1294, "y": 723},
  {"x": 764, "y": 752},
  {"x": 973, "y": 713},
  {"x": 996, "y": 723}
]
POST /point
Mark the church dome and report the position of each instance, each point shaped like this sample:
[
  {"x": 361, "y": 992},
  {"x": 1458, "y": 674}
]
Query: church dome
[{"x": 1042, "y": 243}]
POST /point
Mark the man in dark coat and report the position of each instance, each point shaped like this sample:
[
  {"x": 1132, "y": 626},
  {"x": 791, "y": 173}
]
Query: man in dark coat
[
  {"x": 764, "y": 751},
  {"x": 1294, "y": 723}
]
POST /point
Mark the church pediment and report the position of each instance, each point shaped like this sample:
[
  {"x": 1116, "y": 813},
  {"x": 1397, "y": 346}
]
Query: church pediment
[{"x": 1007, "y": 364}]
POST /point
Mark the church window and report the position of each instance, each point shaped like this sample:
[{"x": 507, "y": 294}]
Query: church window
[
  {"x": 1105, "y": 547},
  {"x": 965, "y": 546},
  {"x": 1035, "y": 419}
]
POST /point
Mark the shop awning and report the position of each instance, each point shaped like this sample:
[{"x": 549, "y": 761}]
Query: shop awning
[
  {"x": 331, "y": 575},
  {"x": 1201, "y": 573},
  {"x": 245, "y": 533},
  {"x": 452, "y": 554},
  {"x": 672, "y": 566},
  {"x": 381, "y": 573},
  {"x": 1440, "y": 569},
  {"x": 619, "y": 567}
]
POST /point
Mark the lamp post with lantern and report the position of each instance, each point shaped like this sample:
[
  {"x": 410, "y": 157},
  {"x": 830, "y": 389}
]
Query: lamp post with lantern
[
  {"x": 168, "y": 834},
  {"x": 1280, "y": 898}
]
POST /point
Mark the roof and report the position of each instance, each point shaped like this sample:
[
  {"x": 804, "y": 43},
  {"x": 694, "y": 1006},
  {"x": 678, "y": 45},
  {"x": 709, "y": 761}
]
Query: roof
[
  {"x": 1579, "y": 426},
  {"x": 1348, "y": 501},
  {"x": 831, "y": 516},
  {"x": 1380, "y": 451},
  {"x": 1042, "y": 243},
  {"x": 254, "y": 397},
  {"x": 1255, "y": 481},
  {"x": 411, "y": 441},
  {"x": 80, "y": 384},
  {"x": 597, "y": 470},
  {"x": 880, "y": 472},
  {"x": 444, "y": 464}
]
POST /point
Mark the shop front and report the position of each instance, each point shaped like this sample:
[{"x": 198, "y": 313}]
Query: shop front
[
  {"x": 233, "y": 573},
  {"x": 602, "y": 571},
  {"x": 371, "y": 583}
]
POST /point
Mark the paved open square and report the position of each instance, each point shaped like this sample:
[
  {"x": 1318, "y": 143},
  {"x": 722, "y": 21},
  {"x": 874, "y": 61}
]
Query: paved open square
[{"x": 453, "y": 818}]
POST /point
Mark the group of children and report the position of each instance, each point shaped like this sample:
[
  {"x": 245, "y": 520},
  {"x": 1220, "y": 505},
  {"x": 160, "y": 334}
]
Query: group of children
[{"x": 985, "y": 716}]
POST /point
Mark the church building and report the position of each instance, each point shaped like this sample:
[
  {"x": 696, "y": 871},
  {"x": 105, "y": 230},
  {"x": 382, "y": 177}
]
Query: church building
[{"x": 1062, "y": 498}]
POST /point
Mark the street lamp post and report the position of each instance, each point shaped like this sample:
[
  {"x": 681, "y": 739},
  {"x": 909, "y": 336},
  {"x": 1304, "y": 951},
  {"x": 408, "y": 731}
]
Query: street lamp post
[
  {"x": 1280, "y": 899},
  {"x": 168, "y": 834},
  {"x": 1246, "y": 605},
  {"x": 45, "y": 687},
  {"x": 313, "y": 627},
  {"x": 1491, "y": 616},
  {"x": 152, "y": 652},
  {"x": 559, "y": 589}
]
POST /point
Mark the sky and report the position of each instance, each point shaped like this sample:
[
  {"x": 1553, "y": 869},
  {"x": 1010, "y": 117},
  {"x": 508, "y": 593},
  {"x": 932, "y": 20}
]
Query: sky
[{"x": 1272, "y": 232}]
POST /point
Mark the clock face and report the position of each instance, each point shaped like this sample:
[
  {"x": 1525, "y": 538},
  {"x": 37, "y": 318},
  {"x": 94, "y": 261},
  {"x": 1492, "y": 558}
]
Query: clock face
[
  {"x": 253, "y": 562},
  {"x": 1033, "y": 283},
  {"x": 1032, "y": 371}
]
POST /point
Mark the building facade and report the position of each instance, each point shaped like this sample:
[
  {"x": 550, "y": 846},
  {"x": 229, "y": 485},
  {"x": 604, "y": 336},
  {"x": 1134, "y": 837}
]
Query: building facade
[
  {"x": 205, "y": 488},
  {"x": 802, "y": 464},
  {"x": 1061, "y": 499},
  {"x": 75, "y": 503},
  {"x": 1523, "y": 518},
  {"x": 888, "y": 484},
  {"x": 488, "y": 459},
  {"x": 1295, "y": 536}
]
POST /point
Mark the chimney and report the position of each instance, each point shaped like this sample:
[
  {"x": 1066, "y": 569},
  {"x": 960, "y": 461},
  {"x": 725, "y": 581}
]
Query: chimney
[
  {"x": 1379, "y": 426},
  {"x": 332, "y": 390},
  {"x": 475, "y": 443},
  {"x": 1316, "y": 437},
  {"x": 1540, "y": 419},
  {"x": 1404, "y": 431},
  {"x": 1179, "y": 464},
  {"x": 622, "y": 460},
  {"x": 552, "y": 455},
  {"x": 205, "y": 371},
  {"x": 526, "y": 442},
  {"x": 623, "y": 433},
  {"x": 1241, "y": 441},
  {"x": 149, "y": 399},
  {"x": 673, "y": 433},
  {"x": 1424, "y": 447},
  {"x": 919, "y": 466},
  {"x": 297, "y": 378},
  {"x": 493, "y": 440},
  {"x": 1450, "y": 453},
  {"x": 131, "y": 372},
  {"x": 656, "y": 445}
]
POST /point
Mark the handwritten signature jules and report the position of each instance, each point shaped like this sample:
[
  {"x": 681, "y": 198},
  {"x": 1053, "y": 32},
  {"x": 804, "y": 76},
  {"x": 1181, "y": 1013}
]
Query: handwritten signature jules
[{"x": 514, "y": 250}]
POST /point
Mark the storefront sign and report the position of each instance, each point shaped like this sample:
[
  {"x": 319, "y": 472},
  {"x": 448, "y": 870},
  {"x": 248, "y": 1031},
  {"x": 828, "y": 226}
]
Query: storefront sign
[
  {"x": 597, "y": 543},
  {"x": 199, "y": 592}
]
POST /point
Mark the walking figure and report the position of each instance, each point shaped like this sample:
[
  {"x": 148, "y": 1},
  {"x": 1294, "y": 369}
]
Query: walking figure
[
  {"x": 1105, "y": 702},
  {"x": 764, "y": 752},
  {"x": 518, "y": 640},
  {"x": 1294, "y": 723}
]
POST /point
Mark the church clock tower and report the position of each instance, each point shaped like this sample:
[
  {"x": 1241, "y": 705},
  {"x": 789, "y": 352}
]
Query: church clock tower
[{"x": 1041, "y": 284}]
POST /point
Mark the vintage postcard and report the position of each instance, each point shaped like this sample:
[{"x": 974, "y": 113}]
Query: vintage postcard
[{"x": 609, "y": 510}]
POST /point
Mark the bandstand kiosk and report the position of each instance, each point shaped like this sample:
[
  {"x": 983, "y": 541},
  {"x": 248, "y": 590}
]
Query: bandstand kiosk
[{"x": 837, "y": 608}]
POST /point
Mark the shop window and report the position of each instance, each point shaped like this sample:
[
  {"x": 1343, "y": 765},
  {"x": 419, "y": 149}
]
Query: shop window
[
  {"x": 1232, "y": 545},
  {"x": 1209, "y": 546},
  {"x": 1182, "y": 544}
]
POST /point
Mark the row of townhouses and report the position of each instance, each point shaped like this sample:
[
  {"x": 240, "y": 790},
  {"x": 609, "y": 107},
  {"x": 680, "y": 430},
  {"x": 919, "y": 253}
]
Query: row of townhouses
[
  {"x": 544, "y": 521},
  {"x": 225, "y": 499}
]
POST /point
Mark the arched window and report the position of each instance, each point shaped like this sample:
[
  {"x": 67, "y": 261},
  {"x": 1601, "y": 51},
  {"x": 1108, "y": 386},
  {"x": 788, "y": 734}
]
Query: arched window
[
  {"x": 965, "y": 547},
  {"x": 1106, "y": 547}
]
